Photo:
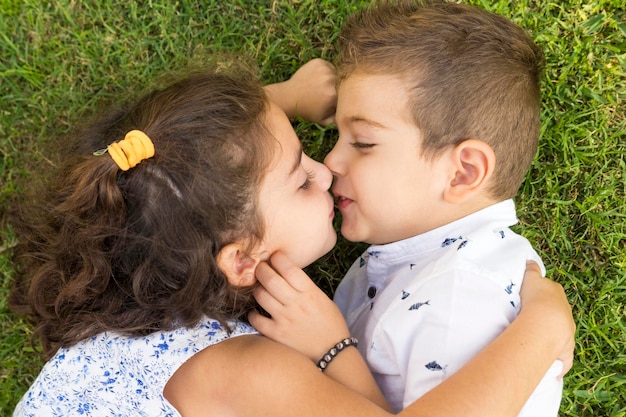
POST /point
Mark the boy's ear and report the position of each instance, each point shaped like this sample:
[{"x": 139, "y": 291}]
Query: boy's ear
[
  {"x": 236, "y": 265},
  {"x": 473, "y": 163}
]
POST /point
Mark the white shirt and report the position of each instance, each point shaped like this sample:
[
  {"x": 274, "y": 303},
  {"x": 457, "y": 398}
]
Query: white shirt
[{"x": 422, "y": 307}]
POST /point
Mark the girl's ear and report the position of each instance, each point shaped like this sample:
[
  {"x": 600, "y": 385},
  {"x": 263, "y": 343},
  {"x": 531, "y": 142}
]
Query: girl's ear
[
  {"x": 473, "y": 162},
  {"x": 236, "y": 265}
]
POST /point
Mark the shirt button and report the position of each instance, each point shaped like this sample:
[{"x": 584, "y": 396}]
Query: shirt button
[{"x": 371, "y": 292}]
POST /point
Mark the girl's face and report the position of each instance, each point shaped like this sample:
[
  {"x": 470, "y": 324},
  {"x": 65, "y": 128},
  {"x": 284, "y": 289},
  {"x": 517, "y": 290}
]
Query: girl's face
[{"x": 295, "y": 204}]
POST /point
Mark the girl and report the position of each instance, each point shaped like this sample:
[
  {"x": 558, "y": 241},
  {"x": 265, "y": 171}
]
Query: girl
[{"x": 138, "y": 261}]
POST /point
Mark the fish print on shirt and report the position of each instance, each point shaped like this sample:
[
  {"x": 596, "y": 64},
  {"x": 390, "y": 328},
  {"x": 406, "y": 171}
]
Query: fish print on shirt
[
  {"x": 435, "y": 367},
  {"x": 450, "y": 240},
  {"x": 509, "y": 288},
  {"x": 417, "y": 306}
]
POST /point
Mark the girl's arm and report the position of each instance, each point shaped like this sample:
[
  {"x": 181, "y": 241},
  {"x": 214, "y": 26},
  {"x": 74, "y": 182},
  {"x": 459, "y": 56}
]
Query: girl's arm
[
  {"x": 254, "y": 376},
  {"x": 310, "y": 93}
]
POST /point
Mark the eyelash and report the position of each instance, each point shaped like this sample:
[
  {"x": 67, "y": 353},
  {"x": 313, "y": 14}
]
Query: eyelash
[
  {"x": 309, "y": 180},
  {"x": 361, "y": 145}
]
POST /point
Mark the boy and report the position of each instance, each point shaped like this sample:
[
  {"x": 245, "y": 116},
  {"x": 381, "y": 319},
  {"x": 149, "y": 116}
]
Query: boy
[{"x": 438, "y": 113}]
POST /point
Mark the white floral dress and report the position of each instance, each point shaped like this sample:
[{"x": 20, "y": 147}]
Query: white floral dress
[{"x": 115, "y": 375}]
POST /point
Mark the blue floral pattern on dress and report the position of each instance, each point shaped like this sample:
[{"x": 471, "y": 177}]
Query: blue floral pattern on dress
[{"x": 115, "y": 375}]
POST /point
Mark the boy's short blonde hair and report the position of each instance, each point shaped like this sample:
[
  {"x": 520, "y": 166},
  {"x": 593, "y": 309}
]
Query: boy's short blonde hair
[{"x": 470, "y": 73}]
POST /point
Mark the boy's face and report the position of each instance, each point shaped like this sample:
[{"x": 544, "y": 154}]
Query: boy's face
[{"x": 386, "y": 190}]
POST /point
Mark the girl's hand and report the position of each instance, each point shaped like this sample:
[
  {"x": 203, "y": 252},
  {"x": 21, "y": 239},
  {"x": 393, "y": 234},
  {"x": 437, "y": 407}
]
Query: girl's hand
[
  {"x": 310, "y": 93},
  {"x": 548, "y": 299},
  {"x": 302, "y": 316}
]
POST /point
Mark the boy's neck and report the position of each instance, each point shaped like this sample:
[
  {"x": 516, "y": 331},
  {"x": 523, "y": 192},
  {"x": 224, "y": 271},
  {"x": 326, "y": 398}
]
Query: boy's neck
[
  {"x": 458, "y": 211},
  {"x": 450, "y": 213}
]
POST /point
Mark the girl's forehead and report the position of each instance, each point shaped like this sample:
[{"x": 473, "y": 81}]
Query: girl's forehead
[{"x": 287, "y": 153}]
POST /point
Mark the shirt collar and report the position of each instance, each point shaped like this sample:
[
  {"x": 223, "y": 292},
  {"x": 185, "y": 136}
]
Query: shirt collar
[{"x": 494, "y": 217}]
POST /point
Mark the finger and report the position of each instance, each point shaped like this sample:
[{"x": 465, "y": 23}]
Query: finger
[
  {"x": 266, "y": 300},
  {"x": 274, "y": 284},
  {"x": 260, "y": 322},
  {"x": 328, "y": 121},
  {"x": 567, "y": 365},
  {"x": 532, "y": 268},
  {"x": 290, "y": 272},
  {"x": 533, "y": 279},
  {"x": 568, "y": 360}
]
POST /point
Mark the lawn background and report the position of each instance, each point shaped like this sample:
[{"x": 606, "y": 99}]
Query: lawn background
[{"x": 58, "y": 59}]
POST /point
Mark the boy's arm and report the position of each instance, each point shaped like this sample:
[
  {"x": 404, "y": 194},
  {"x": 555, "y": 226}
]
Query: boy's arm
[
  {"x": 305, "y": 319},
  {"x": 310, "y": 93},
  {"x": 496, "y": 382}
]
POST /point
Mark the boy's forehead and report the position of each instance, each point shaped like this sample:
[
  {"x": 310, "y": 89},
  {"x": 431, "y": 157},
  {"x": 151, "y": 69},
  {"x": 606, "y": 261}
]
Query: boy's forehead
[{"x": 365, "y": 98}]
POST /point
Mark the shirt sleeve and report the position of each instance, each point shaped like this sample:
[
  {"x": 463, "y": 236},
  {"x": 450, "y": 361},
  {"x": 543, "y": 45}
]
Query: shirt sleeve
[{"x": 437, "y": 326}]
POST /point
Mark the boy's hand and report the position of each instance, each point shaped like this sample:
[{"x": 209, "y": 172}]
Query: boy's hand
[
  {"x": 310, "y": 93},
  {"x": 302, "y": 316},
  {"x": 550, "y": 301}
]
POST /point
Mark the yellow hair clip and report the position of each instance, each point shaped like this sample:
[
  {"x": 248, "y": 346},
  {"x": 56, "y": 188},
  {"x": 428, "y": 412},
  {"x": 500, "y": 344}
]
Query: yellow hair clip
[{"x": 134, "y": 148}]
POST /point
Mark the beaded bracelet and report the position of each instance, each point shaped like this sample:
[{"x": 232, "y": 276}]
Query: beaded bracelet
[{"x": 334, "y": 351}]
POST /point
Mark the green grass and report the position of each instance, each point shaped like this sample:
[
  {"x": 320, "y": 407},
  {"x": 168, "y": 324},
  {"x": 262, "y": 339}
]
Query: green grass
[{"x": 59, "y": 58}]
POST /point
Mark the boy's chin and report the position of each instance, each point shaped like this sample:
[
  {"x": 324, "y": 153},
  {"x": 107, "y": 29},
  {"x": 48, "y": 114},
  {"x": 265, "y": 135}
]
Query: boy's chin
[{"x": 351, "y": 235}]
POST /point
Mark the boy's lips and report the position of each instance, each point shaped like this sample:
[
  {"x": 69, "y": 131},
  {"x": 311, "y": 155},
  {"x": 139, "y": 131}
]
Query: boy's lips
[{"x": 343, "y": 202}]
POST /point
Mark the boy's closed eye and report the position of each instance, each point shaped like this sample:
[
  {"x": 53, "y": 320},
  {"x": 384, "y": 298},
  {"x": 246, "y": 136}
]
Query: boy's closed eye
[{"x": 362, "y": 145}]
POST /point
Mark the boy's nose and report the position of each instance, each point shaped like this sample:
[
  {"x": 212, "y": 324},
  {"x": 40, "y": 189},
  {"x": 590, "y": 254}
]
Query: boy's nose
[{"x": 332, "y": 162}]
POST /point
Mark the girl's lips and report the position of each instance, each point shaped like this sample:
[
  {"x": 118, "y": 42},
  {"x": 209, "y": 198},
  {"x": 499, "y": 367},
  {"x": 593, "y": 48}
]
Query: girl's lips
[{"x": 332, "y": 207}]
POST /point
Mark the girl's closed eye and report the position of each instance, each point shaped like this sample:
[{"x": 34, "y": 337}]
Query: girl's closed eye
[{"x": 310, "y": 175}]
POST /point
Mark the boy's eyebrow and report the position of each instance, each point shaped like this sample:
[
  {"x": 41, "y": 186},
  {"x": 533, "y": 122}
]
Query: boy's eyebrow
[{"x": 364, "y": 120}]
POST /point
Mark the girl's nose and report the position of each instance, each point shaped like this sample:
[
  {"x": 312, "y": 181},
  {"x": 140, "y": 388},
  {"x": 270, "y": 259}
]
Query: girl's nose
[{"x": 323, "y": 176}]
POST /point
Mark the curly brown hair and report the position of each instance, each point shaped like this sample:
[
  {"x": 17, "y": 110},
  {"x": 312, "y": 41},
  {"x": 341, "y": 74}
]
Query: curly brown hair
[
  {"x": 471, "y": 74},
  {"x": 135, "y": 252}
]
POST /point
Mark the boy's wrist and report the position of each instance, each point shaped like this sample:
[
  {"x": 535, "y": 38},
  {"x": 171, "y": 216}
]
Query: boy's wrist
[{"x": 335, "y": 350}]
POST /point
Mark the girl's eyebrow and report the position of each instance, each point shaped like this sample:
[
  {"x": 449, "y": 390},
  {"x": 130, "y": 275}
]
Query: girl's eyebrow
[{"x": 297, "y": 163}]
